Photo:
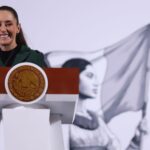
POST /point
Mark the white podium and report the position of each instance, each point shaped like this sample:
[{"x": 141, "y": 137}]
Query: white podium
[{"x": 37, "y": 125}]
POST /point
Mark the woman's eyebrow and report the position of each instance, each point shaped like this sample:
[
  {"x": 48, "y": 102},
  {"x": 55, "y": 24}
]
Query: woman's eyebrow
[{"x": 6, "y": 21}]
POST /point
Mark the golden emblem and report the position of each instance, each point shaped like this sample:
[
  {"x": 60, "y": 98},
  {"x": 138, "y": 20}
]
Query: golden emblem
[{"x": 26, "y": 83}]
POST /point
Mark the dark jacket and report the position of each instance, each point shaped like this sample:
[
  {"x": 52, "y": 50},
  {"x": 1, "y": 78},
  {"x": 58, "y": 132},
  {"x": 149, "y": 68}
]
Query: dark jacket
[
  {"x": 25, "y": 54},
  {"x": 85, "y": 122}
]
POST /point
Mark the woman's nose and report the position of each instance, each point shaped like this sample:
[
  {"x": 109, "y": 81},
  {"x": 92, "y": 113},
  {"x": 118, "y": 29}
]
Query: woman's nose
[
  {"x": 96, "y": 82},
  {"x": 3, "y": 27},
  {"x": 96, "y": 85}
]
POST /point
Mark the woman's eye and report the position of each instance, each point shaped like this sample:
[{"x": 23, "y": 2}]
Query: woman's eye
[
  {"x": 8, "y": 24},
  {"x": 90, "y": 75}
]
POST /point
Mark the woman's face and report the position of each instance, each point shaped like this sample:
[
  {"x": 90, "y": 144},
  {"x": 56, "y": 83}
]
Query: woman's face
[
  {"x": 88, "y": 82},
  {"x": 8, "y": 30}
]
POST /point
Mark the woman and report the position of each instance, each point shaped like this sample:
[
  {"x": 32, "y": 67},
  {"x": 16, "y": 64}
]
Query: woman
[
  {"x": 13, "y": 46},
  {"x": 89, "y": 131}
]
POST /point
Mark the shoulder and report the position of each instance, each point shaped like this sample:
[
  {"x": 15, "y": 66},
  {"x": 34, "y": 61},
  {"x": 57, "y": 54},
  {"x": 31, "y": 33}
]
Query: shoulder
[
  {"x": 26, "y": 49},
  {"x": 34, "y": 56}
]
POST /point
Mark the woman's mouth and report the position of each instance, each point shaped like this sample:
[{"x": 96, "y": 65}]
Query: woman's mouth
[
  {"x": 95, "y": 91},
  {"x": 4, "y": 36}
]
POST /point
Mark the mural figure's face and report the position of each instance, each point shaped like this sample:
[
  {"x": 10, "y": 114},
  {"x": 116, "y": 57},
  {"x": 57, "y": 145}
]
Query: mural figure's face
[
  {"x": 88, "y": 82},
  {"x": 8, "y": 30}
]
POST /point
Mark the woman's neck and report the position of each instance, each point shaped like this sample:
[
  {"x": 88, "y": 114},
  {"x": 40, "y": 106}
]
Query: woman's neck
[
  {"x": 8, "y": 47},
  {"x": 81, "y": 105}
]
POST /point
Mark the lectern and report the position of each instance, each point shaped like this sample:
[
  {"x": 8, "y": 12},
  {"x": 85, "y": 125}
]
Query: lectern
[{"x": 34, "y": 103}]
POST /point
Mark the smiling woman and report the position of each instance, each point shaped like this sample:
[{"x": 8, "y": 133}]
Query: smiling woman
[
  {"x": 13, "y": 46},
  {"x": 9, "y": 28}
]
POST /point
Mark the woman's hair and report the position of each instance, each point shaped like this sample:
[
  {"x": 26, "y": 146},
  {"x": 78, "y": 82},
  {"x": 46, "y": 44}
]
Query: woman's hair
[
  {"x": 76, "y": 63},
  {"x": 81, "y": 65},
  {"x": 20, "y": 39}
]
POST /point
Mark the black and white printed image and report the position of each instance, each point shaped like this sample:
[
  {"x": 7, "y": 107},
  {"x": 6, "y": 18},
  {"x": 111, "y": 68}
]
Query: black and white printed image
[
  {"x": 121, "y": 89},
  {"x": 88, "y": 124}
]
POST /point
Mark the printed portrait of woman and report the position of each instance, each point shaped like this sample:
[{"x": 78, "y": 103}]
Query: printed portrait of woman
[{"x": 89, "y": 131}]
